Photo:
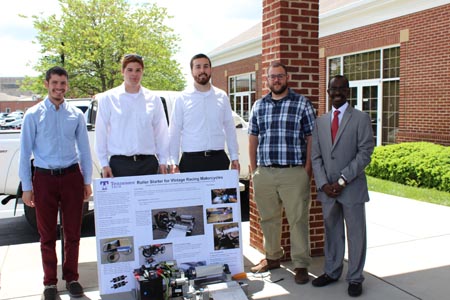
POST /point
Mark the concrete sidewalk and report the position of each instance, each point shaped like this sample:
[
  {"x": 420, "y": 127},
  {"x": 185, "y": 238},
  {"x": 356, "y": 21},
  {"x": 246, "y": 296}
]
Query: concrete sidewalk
[{"x": 408, "y": 258}]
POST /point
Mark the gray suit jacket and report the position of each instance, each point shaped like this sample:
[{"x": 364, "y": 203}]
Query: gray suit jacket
[{"x": 349, "y": 155}]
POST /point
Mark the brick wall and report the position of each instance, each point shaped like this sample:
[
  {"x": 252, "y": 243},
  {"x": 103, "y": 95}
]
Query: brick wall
[
  {"x": 290, "y": 35},
  {"x": 424, "y": 113}
]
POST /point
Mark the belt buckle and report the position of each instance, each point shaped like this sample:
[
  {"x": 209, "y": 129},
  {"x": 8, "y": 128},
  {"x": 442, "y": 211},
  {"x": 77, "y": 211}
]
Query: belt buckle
[
  {"x": 54, "y": 172},
  {"x": 135, "y": 158},
  {"x": 207, "y": 153}
]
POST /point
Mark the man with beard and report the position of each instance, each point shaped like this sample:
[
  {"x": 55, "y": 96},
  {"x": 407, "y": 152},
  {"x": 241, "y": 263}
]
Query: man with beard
[
  {"x": 55, "y": 134},
  {"x": 280, "y": 128},
  {"x": 201, "y": 122}
]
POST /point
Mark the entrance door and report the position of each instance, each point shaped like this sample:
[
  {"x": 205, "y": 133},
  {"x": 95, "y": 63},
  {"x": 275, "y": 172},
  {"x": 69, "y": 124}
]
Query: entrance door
[
  {"x": 366, "y": 96},
  {"x": 241, "y": 105}
]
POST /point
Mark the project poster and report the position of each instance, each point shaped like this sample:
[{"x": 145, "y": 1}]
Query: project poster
[{"x": 192, "y": 218}]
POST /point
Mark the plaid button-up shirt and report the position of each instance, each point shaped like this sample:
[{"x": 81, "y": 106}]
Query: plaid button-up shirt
[{"x": 282, "y": 127}]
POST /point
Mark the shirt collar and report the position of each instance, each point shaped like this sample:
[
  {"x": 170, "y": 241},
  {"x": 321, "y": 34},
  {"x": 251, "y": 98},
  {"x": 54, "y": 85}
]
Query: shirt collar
[
  {"x": 49, "y": 105},
  {"x": 123, "y": 91},
  {"x": 342, "y": 109}
]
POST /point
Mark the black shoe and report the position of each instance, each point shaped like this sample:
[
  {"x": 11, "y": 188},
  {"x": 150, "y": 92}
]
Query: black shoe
[
  {"x": 323, "y": 280},
  {"x": 354, "y": 289},
  {"x": 75, "y": 289},
  {"x": 49, "y": 293}
]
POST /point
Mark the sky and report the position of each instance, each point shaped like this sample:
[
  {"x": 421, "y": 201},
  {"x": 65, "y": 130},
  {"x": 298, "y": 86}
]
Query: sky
[{"x": 201, "y": 25}]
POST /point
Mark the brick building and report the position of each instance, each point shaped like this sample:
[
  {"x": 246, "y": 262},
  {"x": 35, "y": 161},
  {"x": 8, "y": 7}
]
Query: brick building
[{"x": 394, "y": 52}]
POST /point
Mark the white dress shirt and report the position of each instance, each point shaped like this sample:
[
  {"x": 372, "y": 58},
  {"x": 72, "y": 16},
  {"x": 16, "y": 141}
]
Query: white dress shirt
[
  {"x": 202, "y": 121},
  {"x": 130, "y": 124}
]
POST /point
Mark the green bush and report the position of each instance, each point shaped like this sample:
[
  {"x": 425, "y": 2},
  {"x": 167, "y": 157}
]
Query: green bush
[{"x": 418, "y": 164}]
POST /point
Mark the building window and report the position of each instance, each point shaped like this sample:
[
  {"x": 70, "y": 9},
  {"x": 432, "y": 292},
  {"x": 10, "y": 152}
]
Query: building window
[
  {"x": 391, "y": 62},
  {"x": 362, "y": 66},
  {"x": 391, "y": 92},
  {"x": 334, "y": 67},
  {"x": 371, "y": 73},
  {"x": 242, "y": 89}
]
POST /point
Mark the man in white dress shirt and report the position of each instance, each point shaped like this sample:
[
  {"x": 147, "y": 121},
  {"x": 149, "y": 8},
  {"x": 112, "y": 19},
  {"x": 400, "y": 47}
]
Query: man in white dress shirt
[
  {"x": 131, "y": 131},
  {"x": 201, "y": 123}
]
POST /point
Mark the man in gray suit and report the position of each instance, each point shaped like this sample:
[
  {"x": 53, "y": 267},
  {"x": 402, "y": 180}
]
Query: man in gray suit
[{"x": 338, "y": 162}]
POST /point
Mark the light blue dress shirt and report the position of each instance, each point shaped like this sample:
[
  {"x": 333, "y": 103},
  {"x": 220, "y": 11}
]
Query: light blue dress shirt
[{"x": 57, "y": 138}]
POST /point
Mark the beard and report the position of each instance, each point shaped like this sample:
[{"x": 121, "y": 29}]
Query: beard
[
  {"x": 278, "y": 90},
  {"x": 202, "y": 78}
]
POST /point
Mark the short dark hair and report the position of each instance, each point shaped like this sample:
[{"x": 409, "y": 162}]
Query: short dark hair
[
  {"x": 276, "y": 64},
  {"x": 347, "y": 84},
  {"x": 56, "y": 70},
  {"x": 129, "y": 58},
  {"x": 197, "y": 56}
]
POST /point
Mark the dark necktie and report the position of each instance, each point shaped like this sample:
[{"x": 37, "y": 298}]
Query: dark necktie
[{"x": 335, "y": 125}]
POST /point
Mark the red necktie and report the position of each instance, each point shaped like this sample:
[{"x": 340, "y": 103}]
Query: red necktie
[{"x": 335, "y": 125}]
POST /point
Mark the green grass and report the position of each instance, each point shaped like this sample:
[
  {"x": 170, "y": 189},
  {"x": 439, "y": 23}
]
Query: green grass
[{"x": 396, "y": 189}]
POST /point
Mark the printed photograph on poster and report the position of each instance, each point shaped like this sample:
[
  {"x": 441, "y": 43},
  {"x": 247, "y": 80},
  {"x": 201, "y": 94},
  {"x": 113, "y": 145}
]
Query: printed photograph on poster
[
  {"x": 219, "y": 214},
  {"x": 226, "y": 236},
  {"x": 176, "y": 222},
  {"x": 119, "y": 249},
  {"x": 119, "y": 282},
  {"x": 224, "y": 195},
  {"x": 156, "y": 253}
]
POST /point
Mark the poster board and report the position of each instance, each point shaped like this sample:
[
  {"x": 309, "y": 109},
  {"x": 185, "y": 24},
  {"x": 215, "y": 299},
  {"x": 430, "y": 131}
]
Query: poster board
[{"x": 193, "y": 218}]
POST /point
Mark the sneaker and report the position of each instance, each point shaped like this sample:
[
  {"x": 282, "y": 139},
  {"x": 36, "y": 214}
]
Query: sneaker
[
  {"x": 49, "y": 293},
  {"x": 301, "y": 275},
  {"x": 266, "y": 265},
  {"x": 75, "y": 289},
  {"x": 354, "y": 289},
  {"x": 323, "y": 280}
]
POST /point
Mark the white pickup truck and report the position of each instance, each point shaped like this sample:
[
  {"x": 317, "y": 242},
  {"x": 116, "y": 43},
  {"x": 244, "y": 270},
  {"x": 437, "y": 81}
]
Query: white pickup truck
[{"x": 10, "y": 147}]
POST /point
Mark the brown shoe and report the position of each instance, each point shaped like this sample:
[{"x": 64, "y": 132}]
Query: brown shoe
[
  {"x": 301, "y": 275},
  {"x": 266, "y": 265}
]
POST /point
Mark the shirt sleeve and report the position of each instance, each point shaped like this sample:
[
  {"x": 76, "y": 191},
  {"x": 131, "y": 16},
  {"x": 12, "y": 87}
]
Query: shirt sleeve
[
  {"x": 27, "y": 137},
  {"x": 176, "y": 123},
  {"x": 84, "y": 150},
  {"x": 102, "y": 131},
  {"x": 230, "y": 131}
]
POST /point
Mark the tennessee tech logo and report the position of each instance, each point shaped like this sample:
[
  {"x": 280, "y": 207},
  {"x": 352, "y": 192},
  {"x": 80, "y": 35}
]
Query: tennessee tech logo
[{"x": 104, "y": 185}]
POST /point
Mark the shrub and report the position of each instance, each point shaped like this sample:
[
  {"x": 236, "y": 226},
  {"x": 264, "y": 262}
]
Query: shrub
[{"x": 419, "y": 164}]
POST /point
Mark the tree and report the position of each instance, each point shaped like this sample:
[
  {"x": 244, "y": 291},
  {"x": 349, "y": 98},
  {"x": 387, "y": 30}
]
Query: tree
[{"x": 90, "y": 38}]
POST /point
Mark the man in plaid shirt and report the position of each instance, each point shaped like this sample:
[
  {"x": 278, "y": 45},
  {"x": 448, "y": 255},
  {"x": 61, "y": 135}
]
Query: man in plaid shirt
[{"x": 280, "y": 129}]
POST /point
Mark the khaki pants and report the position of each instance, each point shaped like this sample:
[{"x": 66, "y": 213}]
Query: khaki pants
[{"x": 275, "y": 188}]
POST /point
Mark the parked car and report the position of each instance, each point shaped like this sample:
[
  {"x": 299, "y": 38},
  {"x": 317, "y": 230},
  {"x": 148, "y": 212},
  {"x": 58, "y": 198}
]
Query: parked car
[{"x": 16, "y": 124}]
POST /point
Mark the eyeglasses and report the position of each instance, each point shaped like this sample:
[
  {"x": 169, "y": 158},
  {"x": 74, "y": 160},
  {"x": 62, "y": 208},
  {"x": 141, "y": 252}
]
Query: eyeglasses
[
  {"x": 276, "y": 76},
  {"x": 338, "y": 89},
  {"x": 133, "y": 55}
]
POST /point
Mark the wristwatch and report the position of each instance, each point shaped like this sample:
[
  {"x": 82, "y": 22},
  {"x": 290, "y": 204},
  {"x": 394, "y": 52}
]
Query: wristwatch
[{"x": 341, "y": 182}]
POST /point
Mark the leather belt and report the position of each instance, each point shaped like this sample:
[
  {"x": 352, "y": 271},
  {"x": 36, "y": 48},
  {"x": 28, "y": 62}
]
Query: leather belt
[
  {"x": 204, "y": 153},
  {"x": 57, "y": 172},
  {"x": 133, "y": 157},
  {"x": 281, "y": 166}
]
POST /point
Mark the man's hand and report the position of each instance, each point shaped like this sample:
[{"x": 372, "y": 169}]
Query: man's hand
[
  {"x": 163, "y": 169},
  {"x": 235, "y": 165},
  {"x": 332, "y": 190},
  {"x": 174, "y": 169},
  {"x": 107, "y": 172},
  {"x": 87, "y": 191},
  {"x": 28, "y": 198}
]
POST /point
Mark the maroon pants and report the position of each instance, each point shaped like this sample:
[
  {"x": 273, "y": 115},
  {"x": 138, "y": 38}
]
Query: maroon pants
[{"x": 51, "y": 192}]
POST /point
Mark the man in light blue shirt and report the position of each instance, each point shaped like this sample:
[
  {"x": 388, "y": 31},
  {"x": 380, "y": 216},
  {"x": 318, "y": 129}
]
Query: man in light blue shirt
[{"x": 55, "y": 134}]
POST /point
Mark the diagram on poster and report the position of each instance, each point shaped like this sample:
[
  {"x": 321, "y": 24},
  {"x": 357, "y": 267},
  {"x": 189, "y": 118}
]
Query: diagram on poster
[{"x": 192, "y": 218}]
